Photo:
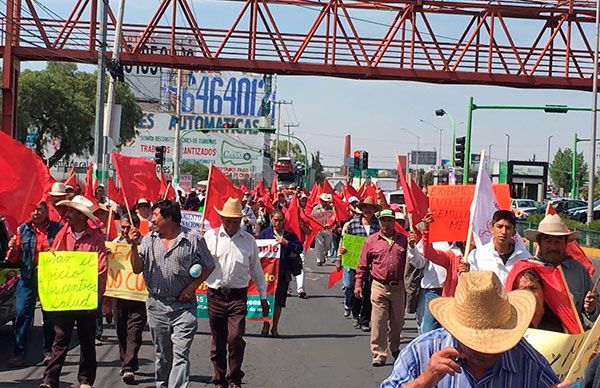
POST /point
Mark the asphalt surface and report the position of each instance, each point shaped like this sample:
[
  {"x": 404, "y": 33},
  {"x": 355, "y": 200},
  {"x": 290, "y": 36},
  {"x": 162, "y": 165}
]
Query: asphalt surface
[{"x": 318, "y": 347}]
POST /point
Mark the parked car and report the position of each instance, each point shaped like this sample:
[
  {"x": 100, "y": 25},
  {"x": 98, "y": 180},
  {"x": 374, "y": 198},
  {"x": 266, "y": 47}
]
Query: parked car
[
  {"x": 284, "y": 166},
  {"x": 575, "y": 213},
  {"x": 581, "y": 214},
  {"x": 562, "y": 205},
  {"x": 523, "y": 207}
]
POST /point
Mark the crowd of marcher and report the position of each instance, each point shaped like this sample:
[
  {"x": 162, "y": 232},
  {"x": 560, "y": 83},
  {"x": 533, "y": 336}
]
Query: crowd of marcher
[{"x": 472, "y": 309}]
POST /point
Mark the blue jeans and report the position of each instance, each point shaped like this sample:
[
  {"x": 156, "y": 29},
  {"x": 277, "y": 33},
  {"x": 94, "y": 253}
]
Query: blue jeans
[
  {"x": 348, "y": 287},
  {"x": 25, "y": 309},
  {"x": 425, "y": 320}
]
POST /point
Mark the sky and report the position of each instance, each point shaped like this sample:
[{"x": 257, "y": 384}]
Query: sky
[{"x": 374, "y": 112}]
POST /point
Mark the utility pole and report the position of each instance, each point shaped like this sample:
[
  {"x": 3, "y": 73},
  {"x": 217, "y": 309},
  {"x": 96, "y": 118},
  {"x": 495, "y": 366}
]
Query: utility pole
[
  {"x": 592, "y": 176},
  {"x": 507, "y": 147},
  {"x": 111, "y": 90},
  {"x": 279, "y": 103},
  {"x": 177, "y": 141},
  {"x": 98, "y": 127},
  {"x": 549, "y": 138},
  {"x": 288, "y": 126}
]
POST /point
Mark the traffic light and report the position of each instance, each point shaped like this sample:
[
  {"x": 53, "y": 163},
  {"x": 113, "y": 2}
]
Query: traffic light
[
  {"x": 459, "y": 152},
  {"x": 357, "y": 160},
  {"x": 365, "y": 160},
  {"x": 159, "y": 155}
]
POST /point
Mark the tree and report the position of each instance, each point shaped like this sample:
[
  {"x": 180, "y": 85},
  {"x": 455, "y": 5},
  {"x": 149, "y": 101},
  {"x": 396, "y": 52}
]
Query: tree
[
  {"x": 560, "y": 169},
  {"x": 317, "y": 167},
  {"x": 297, "y": 153},
  {"x": 59, "y": 104},
  {"x": 198, "y": 170}
]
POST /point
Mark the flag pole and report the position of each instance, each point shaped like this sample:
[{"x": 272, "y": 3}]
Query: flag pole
[
  {"x": 110, "y": 216},
  {"x": 562, "y": 276},
  {"x": 206, "y": 198},
  {"x": 470, "y": 231}
]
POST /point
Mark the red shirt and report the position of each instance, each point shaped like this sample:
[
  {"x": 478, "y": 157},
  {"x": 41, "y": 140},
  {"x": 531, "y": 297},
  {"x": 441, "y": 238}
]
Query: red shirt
[
  {"x": 92, "y": 240},
  {"x": 446, "y": 259},
  {"x": 386, "y": 261},
  {"x": 41, "y": 245}
]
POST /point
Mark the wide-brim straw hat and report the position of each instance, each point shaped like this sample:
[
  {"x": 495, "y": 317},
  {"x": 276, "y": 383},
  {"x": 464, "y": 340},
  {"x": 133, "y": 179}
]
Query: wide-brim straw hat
[
  {"x": 82, "y": 205},
  {"x": 231, "y": 209},
  {"x": 551, "y": 225},
  {"x": 369, "y": 201},
  {"x": 326, "y": 197},
  {"x": 482, "y": 316},
  {"x": 58, "y": 189}
]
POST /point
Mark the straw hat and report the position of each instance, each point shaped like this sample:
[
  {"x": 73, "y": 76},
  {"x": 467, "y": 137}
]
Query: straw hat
[
  {"x": 482, "y": 316},
  {"x": 82, "y": 205},
  {"x": 325, "y": 197},
  {"x": 369, "y": 201},
  {"x": 551, "y": 225},
  {"x": 58, "y": 189},
  {"x": 231, "y": 209}
]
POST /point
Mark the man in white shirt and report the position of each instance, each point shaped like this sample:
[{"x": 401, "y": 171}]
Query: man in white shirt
[
  {"x": 236, "y": 261},
  {"x": 500, "y": 254}
]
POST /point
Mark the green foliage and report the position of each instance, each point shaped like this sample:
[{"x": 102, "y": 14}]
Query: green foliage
[
  {"x": 317, "y": 167},
  {"x": 572, "y": 224},
  {"x": 198, "y": 170},
  {"x": 296, "y": 151},
  {"x": 60, "y": 103},
  {"x": 560, "y": 169}
]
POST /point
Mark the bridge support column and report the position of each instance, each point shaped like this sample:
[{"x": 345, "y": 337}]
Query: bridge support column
[{"x": 11, "y": 67}]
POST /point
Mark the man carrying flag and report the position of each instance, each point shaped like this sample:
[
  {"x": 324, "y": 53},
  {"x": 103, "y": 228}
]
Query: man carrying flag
[{"x": 552, "y": 237}]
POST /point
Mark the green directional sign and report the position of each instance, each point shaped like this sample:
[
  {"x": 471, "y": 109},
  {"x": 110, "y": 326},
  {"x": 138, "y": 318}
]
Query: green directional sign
[
  {"x": 355, "y": 172},
  {"x": 372, "y": 172}
]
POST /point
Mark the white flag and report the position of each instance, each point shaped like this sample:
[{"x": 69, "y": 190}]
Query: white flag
[{"x": 483, "y": 207}]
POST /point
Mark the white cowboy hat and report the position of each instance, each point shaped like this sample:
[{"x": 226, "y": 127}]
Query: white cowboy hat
[
  {"x": 231, "y": 209},
  {"x": 326, "y": 197},
  {"x": 482, "y": 316},
  {"x": 58, "y": 190},
  {"x": 551, "y": 225},
  {"x": 82, "y": 205}
]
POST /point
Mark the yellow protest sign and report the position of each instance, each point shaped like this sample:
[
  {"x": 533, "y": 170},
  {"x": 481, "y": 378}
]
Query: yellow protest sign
[
  {"x": 68, "y": 280},
  {"x": 121, "y": 282},
  {"x": 353, "y": 245},
  {"x": 586, "y": 352},
  {"x": 559, "y": 349}
]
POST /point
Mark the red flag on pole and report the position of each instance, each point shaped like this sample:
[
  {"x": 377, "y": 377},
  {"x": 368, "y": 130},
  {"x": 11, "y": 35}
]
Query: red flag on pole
[
  {"x": 313, "y": 227},
  {"x": 25, "y": 181},
  {"x": 114, "y": 194},
  {"x": 556, "y": 292},
  {"x": 313, "y": 198},
  {"x": 167, "y": 190},
  {"x": 72, "y": 179},
  {"x": 351, "y": 191},
  {"x": 334, "y": 277},
  {"x": 292, "y": 218},
  {"x": 259, "y": 190},
  {"x": 90, "y": 181},
  {"x": 218, "y": 191},
  {"x": 573, "y": 248},
  {"x": 137, "y": 177},
  {"x": 274, "y": 189}
]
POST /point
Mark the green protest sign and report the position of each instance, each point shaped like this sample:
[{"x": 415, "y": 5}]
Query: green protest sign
[
  {"x": 68, "y": 280},
  {"x": 353, "y": 245}
]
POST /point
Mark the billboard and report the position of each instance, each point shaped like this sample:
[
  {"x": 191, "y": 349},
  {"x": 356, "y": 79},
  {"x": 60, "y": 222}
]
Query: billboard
[{"x": 237, "y": 151}]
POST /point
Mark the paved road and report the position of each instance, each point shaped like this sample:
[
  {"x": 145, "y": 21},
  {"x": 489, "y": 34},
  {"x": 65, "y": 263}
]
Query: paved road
[{"x": 319, "y": 347}]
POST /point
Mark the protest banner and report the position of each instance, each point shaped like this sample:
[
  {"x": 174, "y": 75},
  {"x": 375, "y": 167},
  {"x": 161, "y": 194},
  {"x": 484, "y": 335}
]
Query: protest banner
[
  {"x": 68, "y": 280},
  {"x": 323, "y": 217},
  {"x": 353, "y": 245},
  {"x": 450, "y": 206},
  {"x": 121, "y": 282},
  {"x": 193, "y": 220},
  {"x": 564, "y": 352},
  {"x": 586, "y": 352},
  {"x": 269, "y": 252}
]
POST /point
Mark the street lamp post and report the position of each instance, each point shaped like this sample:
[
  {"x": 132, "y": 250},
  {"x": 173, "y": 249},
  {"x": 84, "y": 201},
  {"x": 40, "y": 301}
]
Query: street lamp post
[
  {"x": 507, "y": 146},
  {"x": 592, "y": 176},
  {"x": 440, "y": 131},
  {"x": 549, "y": 138},
  {"x": 442, "y": 112},
  {"x": 418, "y": 143}
]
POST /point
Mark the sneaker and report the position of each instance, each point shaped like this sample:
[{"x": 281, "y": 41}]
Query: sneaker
[
  {"x": 366, "y": 329},
  {"x": 356, "y": 324},
  {"x": 302, "y": 295},
  {"x": 17, "y": 361},
  {"x": 44, "y": 385},
  {"x": 128, "y": 377},
  {"x": 85, "y": 386},
  {"x": 319, "y": 264},
  {"x": 378, "y": 363},
  {"x": 47, "y": 359},
  {"x": 346, "y": 313}
]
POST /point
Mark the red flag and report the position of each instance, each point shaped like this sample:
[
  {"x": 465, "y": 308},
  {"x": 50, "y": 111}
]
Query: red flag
[
  {"x": 259, "y": 191},
  {"x": 350, "y": 191},
  {"x": 72, "y": 179},
  {"x": 326, "y": 188},
  {"x": 166, "y": 189},
  {"x": 218, "y": 191},
  {"x": 556, "y": 292},
  {"x": 381, "y": 197},
  {"x": 25, "y": 181},
  {"x": 137, "y": 177},
  {"x": 341, "y": 209},
  {"x": 114, "y": 194},
  {"x": 244, "y": 188},
  {"x": 90, "y": 182},
  {"x": 420, "y": 202},
  {"x": 334, "y": 277},
  {"x": 292, "y": 218},
  {"x": 361, "y": 190},
  {"x": 573, "y": 248},
  {"x": 274, "y": 189},
  {"x": 313, "y": 227},
  {"x": 313, "y": 198}
]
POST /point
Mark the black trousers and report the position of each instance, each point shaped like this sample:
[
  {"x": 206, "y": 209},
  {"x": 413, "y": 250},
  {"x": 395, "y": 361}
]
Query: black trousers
[
  {"x": 130, "y": 319},
  {"x": 64, "y": 322}
]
